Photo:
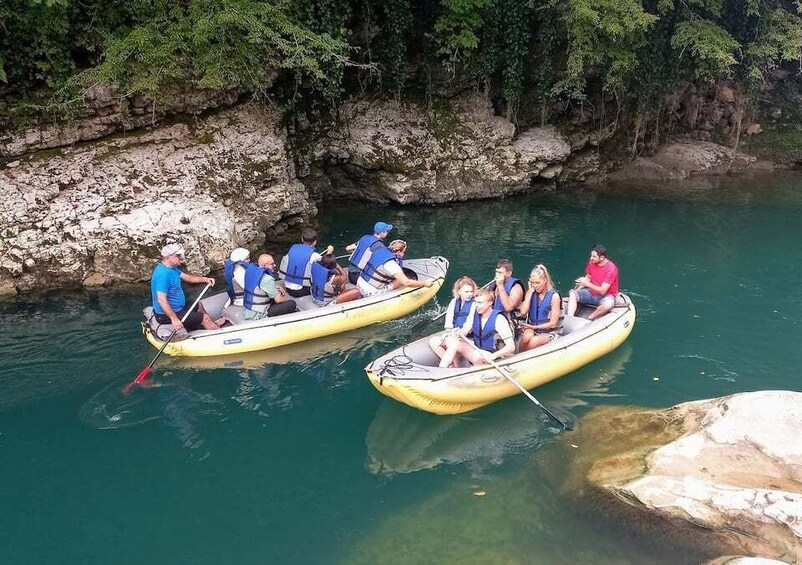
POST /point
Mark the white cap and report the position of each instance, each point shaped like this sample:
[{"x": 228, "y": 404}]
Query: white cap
[
  {"x": 239, "y": 254},
  {"x": 173, "y": 249}
]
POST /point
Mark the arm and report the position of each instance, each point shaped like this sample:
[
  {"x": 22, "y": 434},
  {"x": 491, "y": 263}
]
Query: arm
[
  {"x": 449, "y": 323},
  {"x": 404, "y": 280},
  {"x": 513, "y": 299},
  {"x": 597, "y": 288},
  {"x": 168, "y": 310},
  {"x": 196, "y": 279},
  {"x": 350, "y": 247},
  {"x": 523, "y": 309},
  {"x": 504, "y": 331}
]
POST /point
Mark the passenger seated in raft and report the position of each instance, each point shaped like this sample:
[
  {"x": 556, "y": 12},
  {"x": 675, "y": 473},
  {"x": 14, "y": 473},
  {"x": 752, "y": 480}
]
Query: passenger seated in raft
[
  {"x": 458, "y": 311},
  {"x": 169, "y": 302},
  {"x": 234, "y": 272},
  {"x": 541, "y": 310},
  {"x": 599, "y": 286},
  {"x": 297, "y": 264},
  {"x": 488, "y": 327},
  {"x": 382, "y": 273},
  {"x": 328, "y": 282},
  {"x": 508, "y": 290},
  {"x": 362, "y": 249},
  {"x": 262, "y": 295},
  {"x": 399, "y": 249}
]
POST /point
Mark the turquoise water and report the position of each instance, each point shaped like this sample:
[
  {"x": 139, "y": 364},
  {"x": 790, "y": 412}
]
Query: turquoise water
[{"x": 293, "y": 457}]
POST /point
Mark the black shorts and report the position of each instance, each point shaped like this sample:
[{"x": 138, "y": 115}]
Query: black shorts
[
  {"x": 305, "y": 291},
  {"x": 193, "y": 322}
]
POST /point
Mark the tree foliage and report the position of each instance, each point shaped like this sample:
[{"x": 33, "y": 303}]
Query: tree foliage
[{"x": 553, "y": 49}]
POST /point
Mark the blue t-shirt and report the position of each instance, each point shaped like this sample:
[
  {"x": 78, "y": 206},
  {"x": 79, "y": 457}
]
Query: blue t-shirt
[{"x": 167, "y": 280}]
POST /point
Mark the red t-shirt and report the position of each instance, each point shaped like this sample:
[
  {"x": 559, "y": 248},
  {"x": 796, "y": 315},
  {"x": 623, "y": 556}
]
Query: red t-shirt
[{"x": 607, "y": 273}]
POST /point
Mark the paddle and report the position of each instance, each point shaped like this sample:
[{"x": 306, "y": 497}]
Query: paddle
[
  {"x": 143, "y": 374},
  {"x": 507, "y": 376},
  {"x": 420, "y": 324}
]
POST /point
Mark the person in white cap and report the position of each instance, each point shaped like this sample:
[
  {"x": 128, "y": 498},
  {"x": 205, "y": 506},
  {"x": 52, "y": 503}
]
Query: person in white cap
[
  {"x": 169, "y": 302},
  {"x": 234, "y": 270}
]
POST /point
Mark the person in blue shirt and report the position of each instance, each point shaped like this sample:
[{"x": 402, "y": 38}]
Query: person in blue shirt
[{"x": 169, "y": 301}]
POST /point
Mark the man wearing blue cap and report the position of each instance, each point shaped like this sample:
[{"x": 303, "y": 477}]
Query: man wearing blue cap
[{"x": 364, "y": 248}]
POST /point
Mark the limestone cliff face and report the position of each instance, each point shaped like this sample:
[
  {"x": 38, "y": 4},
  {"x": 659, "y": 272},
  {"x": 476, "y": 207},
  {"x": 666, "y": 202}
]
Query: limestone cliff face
[
  {"x": 96, "y": 213},
  {"x": 406, "y": 154}
]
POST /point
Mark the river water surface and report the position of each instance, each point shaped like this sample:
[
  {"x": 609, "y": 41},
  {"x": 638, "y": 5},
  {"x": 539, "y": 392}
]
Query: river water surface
[{"x": 293, "y": 457}]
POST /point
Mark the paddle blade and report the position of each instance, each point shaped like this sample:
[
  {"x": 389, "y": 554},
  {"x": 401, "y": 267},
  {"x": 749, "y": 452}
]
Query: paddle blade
[{"x": 143, "y": 374}]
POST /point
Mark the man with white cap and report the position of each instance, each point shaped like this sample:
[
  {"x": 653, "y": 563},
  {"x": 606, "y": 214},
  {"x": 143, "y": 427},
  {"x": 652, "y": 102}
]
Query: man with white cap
[
  {"x": 169, "y": 302},
  {"x": 234, "y": 270}
]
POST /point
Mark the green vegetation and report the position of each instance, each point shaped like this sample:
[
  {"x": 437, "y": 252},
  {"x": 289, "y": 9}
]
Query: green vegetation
[{"x": 51, "y": 51}]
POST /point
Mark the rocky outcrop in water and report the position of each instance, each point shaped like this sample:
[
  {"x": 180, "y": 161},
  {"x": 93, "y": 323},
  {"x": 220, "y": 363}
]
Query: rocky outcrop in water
[
  {"x": 98, "y": 213},
  {"x": 681, "y": 160},
  {"x": 731, "y": 466}
]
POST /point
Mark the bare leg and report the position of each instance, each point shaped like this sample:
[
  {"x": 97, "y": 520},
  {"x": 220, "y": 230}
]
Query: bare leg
[
  {"x": 437, "y": 344},
  {"x": 449, "y": 357},
  {"x": 208, "y": 323},
  {"x": 530, "y": 340},
  {"x": 604, "y": 307},
  {"x": 348, "y": 296},
  {"x": 572, "y": 303}
]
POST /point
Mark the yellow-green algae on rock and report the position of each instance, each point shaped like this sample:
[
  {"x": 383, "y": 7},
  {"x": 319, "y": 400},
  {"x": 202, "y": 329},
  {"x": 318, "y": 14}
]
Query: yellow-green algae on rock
[{"x": 726, "y": 471}]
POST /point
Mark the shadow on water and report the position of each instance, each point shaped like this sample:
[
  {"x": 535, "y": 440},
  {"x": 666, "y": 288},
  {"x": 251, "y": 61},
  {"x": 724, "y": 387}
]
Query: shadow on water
[{"x": 401, "y": 439}]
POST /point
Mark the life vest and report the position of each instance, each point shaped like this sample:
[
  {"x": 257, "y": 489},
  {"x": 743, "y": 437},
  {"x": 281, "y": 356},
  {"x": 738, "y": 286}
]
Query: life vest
[
  {"x": 461, "y": 311},
  {"x": 399, "y": 260},
  {"x": 320, "y": 276},
  {"x": 235, "y": 292},
  {"x": 370, "y": 272},
  {"x": 297, "y": 264},
  {"x": 255, "y": 298},
  {"x": 540, "y": 311},
  {"x": 508, "y": 284},
  {"x": 485, "y": 338}
]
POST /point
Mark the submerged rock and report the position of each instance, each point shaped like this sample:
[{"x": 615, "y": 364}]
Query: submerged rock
[{"x": 732, "y": 466}]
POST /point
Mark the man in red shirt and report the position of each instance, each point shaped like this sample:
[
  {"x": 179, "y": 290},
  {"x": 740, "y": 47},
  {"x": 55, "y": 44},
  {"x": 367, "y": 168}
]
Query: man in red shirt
[{"x": 599, "y": 286}]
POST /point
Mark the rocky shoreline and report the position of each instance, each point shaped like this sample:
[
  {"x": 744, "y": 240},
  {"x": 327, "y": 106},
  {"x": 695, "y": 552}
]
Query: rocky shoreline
[
  {"x": 724, "y": 473},
  {"x": 94, "y": 213}
]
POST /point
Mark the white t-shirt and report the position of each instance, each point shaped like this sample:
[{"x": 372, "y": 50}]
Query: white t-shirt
[
  {"x": 239, "y": 279},
  {"x": 388, "y": 269}
]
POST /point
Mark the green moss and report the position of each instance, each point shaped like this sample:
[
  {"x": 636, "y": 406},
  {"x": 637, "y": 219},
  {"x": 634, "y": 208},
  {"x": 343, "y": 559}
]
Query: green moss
[{"x": 781, "y": 145}]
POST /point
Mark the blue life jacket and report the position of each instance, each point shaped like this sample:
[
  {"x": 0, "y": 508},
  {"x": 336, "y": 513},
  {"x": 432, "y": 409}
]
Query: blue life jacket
[
  {"x": 320, "y": 276},
  {"x": 297, "y": 261},
  {"x": 461, "y": 311},
  {"x": 399, "y": 260},
  {"x": 234, "y": 292},
  {"x": 508, "y": 284},
  {"x": 255, "y": 298},
  {"x": 485, "y": 338},
  {"x": 540, "y": 312},
  {"x": 370, "y": 272}
]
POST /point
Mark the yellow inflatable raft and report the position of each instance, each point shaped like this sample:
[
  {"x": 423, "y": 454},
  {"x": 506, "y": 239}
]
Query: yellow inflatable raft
[
  {"x": 310, "y": 322},
  {"x": 410, "y": 373}
]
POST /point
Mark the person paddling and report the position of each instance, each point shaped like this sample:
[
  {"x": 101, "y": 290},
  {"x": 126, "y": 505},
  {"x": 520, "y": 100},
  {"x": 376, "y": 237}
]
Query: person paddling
[
  {"x": 167, "y": 294},
  {"x": 328, "y": 281},
  {"x": 364, "y": 248},
  {"x": 488, "y": 327}
]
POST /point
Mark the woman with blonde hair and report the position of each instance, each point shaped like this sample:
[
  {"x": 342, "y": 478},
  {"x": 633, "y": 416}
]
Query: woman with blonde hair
[
  {"x": 458, "y": 311},
  {"x": 541, "y": 307}
]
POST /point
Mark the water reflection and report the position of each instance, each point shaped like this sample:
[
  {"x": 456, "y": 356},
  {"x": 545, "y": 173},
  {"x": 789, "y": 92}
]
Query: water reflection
[{"x": 404, "y": 440}]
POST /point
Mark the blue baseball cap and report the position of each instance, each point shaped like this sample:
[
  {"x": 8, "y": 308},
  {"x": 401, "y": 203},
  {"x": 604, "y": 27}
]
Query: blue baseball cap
[{"x": 382, "y": 226}]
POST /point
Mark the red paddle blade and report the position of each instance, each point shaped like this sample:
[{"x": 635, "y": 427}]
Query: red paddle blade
[{"x": 143, "y": 374}]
